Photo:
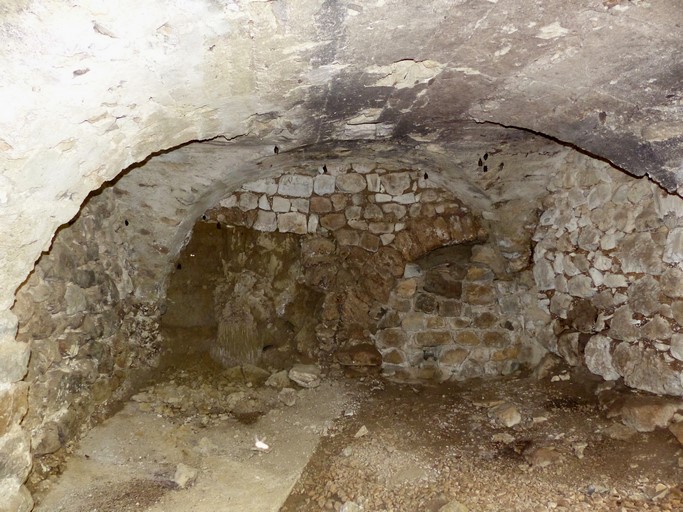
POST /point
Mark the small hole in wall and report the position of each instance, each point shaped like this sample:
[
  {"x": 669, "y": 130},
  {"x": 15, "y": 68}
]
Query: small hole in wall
[
  {"x": 126, "y": 223},
  {"x": 218, "y": 225},
  {"x": 266, "y": 348},
  {"x": 179, "y": 266},
  {"x": 203, "y": 217}
]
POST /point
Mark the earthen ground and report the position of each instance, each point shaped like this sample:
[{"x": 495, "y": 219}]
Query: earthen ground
[{"x": 425, "y": 446}]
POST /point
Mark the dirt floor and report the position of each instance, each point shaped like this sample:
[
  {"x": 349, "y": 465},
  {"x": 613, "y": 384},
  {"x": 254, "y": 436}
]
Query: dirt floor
[{"x": 188, "y": 443}]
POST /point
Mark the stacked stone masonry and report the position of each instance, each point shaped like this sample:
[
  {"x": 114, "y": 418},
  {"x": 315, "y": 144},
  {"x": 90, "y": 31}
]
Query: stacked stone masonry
[
  {"x": 607, "y": 263},
  {"x": 394, "y": 218},
  {"x": 86, "y": 332}
]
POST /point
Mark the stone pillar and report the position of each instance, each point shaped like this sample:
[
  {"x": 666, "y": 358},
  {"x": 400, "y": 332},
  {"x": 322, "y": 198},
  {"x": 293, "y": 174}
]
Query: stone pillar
[{"x": 15, "y": 447}]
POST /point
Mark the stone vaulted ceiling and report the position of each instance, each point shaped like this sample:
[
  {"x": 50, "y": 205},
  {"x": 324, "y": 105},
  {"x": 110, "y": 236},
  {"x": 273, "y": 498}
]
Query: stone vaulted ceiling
[{"x": 89, "y": 88}]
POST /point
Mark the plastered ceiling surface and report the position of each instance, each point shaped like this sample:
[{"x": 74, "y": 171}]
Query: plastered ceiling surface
[{"x": 91, "y": 88}]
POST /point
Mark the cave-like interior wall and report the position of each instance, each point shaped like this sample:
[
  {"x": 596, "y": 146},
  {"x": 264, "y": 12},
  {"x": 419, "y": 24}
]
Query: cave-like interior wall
[{"x": 575, "y": 256}]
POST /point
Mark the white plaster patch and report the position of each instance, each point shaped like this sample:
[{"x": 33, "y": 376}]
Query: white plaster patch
[
  {"x": 406, "y": 73},
  {"x": 552, "y": 31}
]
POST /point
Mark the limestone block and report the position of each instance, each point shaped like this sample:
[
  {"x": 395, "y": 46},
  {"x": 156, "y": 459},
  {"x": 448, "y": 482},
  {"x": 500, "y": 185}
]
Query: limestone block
[
  {"x": 264, "y": 203},
  {"x": 599, "y": 195},
  {"x": 478, "y": 294},
  {"x": 281, "y": 204},
  {"x": 544, "y": 275},
  {"x": 602, "y": 262},
  {"x": 320, "y": 204},
  {"x": 386, "y": 239},
  {"x": 247, "y": 201},
  {"x": 581, "y": 286},
  {"x": 229, "y": 202},
  {"x": 623, "y": 326},
  {"x": 450, "y": 308},
  {"x": 76, "y": 300},
  {"x": 373, "y": 183},
  {"x": 265, "y": 221},
  {"x": 609, "y": 241},
  {"x": 396, "y": 183},
  {"x": 408, "y": 198},
  {"x": 360, "y": 225},
  {"x": 676, "y": 347},
  {"x": 373, "y": 212},
  {"x": 351, "y": 183},
  {"x": 394, "y": 337},
  {"x": 15, "y": 455},
  {"x": 313, "y": 223},
  {"x": 339, "y": 201},
  {"x": 383, "y": 198},
  {"x": 639, "y": 254},
  {"x": 615, "y": 281},
  {"x": 13, "y": 405},
  {"x": 413, "y": 322},
  {"x": 452, "y": 356},
  {"x": 656, "y": 329},
  {"x": 295, "y": 185},
  {"x": 333, "y": 221},
  {"x": 379, "y": 228},
  {"x": 265, "y": 186},
  {"x": 15, "y": 497},
  {"x": 506, "y": 354},
  {"x": 426, "y": 303},
  {"x": 324, "y": 184},
  {"x": 647, "y": 413},
  {"x": 672, "y": 282},
  {"x": 293, "y": 222},
  {"x": 598, "y": 357},
  {"x": 353, "y": 212},
  {"x": 14, "y": 358},
  {"x": 643, "y": 296},
  {"x": 495, "y": 338},
  {"x": 596, "y": 276},
  {"x": 433, "y": 338},
  {"x": 347, "y": 237},
  {"x": 397, "y": 211},
  {"x": 305, "y": 375},
  {"x": 299, "y": 205},
  {"x": 393, "y": 356},
  {"x": 468, "y": 338},
  {"x": 369, "y": 242},
  {"x": 647, "y": 370},
  {"x": 589, "y": 238}
]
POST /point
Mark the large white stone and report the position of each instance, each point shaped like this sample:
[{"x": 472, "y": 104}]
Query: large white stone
[
  {"x": 598, "y": 357},
  {"x": 396, "y": 183},
  {"x": 581, "y": 286},
  {"x": 351, "y": 183},
  {"x": 544, "y": 275},
  {"x": 324, "y": 184},
  {"x": 295, "y": 185},
  {"x": 247, "y": 201},
  {"x": 265, "y": 221},
  {"x": 293, "y": 222},
  {"x": 281, "y": 204},
  {"x": 673, "y": 251}
]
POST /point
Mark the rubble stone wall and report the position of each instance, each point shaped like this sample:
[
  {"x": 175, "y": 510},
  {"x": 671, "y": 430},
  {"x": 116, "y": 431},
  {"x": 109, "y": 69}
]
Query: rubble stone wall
[
  {"x": 363, "y": 230},
  {"x": 86, "y": 331},
  {"x": 607, "y": 262}
]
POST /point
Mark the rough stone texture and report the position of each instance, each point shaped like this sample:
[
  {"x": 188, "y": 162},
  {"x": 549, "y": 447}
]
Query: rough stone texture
[
  {"x": 599, "y": 358},
  {"x": 181, "y": 74},
  {"x": 616, "y": 271}
]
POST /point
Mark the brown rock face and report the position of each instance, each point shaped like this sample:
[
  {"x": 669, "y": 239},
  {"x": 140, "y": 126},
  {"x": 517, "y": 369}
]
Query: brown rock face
[{"x": 364, "y": 354}]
